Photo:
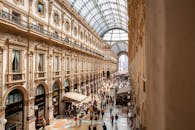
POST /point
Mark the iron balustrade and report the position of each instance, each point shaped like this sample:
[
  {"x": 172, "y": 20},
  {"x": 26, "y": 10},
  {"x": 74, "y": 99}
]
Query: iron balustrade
[
  {"x": 12, "y": 18},
  {"x": 17, "y": 20}
]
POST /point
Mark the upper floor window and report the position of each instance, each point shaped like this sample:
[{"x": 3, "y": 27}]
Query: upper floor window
[
  {"x": 40, "y": 7},
  {"x": 68, "y": 63},
  {"x": 16, "y": 61},
  {"x": 56, "y": 18},
  {"x": 75, "y": 31},
  {"x": 75, "y": 63},
  {"x": 67, "y": 26},
  {"x": 81, "y": 35},
  {"x": 57, "y": 63},
  {"x": 82, "y": 65},
  {"x": 41, "y": 58}
]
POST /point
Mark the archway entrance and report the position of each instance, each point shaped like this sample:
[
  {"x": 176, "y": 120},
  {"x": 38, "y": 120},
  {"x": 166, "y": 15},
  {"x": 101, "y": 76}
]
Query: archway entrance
[
  {"x": 39, "y": 105},
  {"x": 14, "y": 112},
  {"x": 56, "y": 98},
  {"x": 67, "y": 89}
]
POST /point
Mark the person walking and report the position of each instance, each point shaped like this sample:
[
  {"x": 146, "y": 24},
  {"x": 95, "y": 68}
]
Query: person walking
[
  {"x": 89, "y": 127},
  {"x": 104, "y": 127},
  {"x": 75, "y": 119},
  {"x": 116, "y": 117},
  {"x": 112, "y": 119},
  {"x": 80, "y": 121},
  {"x": 94, "y": 127},
  {"x": 98, "y": 113},
  {"x": 102, "y": 113},
  {"x": 110, "y": 111}
]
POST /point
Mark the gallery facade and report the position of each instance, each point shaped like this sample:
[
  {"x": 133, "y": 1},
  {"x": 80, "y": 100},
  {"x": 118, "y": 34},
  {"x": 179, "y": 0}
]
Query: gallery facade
[{"x": 46, "y": 50}]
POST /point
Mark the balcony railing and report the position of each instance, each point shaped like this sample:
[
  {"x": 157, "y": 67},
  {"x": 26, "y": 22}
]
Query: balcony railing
[
  {"x": 65, "y": 40},
  {"x": 12, "y": 18}
]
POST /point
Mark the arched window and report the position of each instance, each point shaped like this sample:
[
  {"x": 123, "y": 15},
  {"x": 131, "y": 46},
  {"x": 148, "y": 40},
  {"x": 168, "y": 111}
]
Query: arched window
[{"x": 40, "y": 90}]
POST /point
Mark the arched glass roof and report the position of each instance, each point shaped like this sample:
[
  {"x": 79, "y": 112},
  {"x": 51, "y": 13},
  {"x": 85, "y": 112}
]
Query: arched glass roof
[
  {"x": 102, "y": 15},
  {"x": 117, "y": 39},
  {"x": 115, "y": 35},
  {"x": 119, "y": 47}
]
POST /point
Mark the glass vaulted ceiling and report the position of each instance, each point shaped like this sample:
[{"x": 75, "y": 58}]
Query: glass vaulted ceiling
[{"x": 103, "y": 15}]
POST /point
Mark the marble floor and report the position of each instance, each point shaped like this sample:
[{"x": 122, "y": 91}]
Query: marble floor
[{"x": 69, "y": 124}]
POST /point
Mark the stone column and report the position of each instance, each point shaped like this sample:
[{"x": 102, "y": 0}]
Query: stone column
[
  {"x": 2, "y": 109},
  {"x": 30, "y": 125},
  {"x": 49, "y": 105}
]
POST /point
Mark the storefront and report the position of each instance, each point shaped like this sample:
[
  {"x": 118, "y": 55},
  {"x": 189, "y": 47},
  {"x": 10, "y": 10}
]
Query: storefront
[
  {"x": 39, "y": 105},
  {"x": 14, "y": 112},
  {"x": 67, "y": 89},
  {"x": 56, "y": 98}
]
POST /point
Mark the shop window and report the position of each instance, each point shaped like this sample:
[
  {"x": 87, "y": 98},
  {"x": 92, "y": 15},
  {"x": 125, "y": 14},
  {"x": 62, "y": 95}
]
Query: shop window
[
  {"x": 14, "y": 97},
  {"x": 40, "y": 7},
  {"x": 56, "y": 18}
]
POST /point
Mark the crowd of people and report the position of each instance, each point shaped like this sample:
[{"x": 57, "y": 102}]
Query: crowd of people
[{"x": 95, "y": 108}]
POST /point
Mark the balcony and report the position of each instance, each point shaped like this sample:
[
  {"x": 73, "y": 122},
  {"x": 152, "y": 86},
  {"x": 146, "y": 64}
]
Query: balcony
[
  {"x": 7, "y": 17},
  {"x": 13, "y": 19}
]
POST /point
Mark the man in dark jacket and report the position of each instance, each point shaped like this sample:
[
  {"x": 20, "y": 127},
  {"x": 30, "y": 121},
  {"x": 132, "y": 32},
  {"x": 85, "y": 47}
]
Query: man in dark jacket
[{"x": 104, "y": 127}]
